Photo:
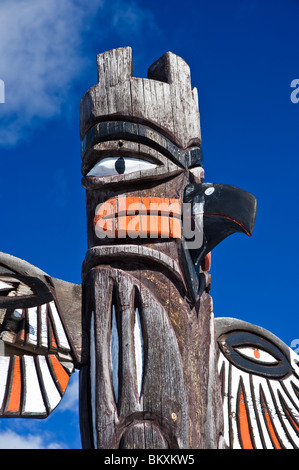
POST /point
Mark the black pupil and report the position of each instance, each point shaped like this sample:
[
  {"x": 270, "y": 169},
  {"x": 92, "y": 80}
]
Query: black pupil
[{"x": 120, "y": 165}]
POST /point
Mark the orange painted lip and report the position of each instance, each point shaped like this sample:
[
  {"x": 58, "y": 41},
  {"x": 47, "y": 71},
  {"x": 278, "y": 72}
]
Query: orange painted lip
[{"x": 139, "y": 217}]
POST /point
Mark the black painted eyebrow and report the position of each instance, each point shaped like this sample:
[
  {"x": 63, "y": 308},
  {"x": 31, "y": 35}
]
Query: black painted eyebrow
[{"x": 117, "y": 130}]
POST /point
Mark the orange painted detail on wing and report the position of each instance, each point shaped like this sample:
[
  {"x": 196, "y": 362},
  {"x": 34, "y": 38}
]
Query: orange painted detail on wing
[
  {"x": 53, "y": 340},
  {"x": 292, "y": 420},
  {"x": 60, "y": 372},
  {"x": 22, "y": 335},
  {"x": 15, "y": 392},
  {"x": 270, "y": 425},
  {"x": 244, "y": 423}
]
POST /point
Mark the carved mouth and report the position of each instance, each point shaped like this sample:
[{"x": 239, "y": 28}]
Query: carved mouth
[{"x": 144, "y": 217}]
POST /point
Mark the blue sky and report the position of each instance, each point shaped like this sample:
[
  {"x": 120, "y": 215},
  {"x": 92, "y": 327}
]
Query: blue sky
[{"x": 243, "y": 57}]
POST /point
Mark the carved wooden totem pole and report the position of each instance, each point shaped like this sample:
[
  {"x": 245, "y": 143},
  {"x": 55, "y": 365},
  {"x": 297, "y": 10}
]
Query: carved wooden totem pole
[{"x": 157, "y": 370}]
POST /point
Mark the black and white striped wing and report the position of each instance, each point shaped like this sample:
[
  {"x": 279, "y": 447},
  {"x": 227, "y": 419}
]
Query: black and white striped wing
[
  {"x": 36, "y": 353},
  {"x": 260, "y": 387}
]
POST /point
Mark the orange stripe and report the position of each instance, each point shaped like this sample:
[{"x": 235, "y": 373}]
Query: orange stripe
[
  {"x": 244, "y": 424},
  {"x": 270, "y": 425},
  {"x": 154, "y": 204},
  {"x": 175, "y": 227},
  {"x": 138, "y": 205},
  {"x": 291, "y": 419},
  {"x": 60, "y": 372},
  {"x": 139, "y": 216},
  {"x": 140, "y": 225},
  {"x": 22, "y": 335},
  {"x": 53, "y": 340},
  {"x": 15, "y": 392},
  {"x": 130, "y": 205}
]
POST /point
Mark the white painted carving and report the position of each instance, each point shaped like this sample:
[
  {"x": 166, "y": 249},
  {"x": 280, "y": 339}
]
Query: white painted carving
[
  {"x": 53, "y": 396},
  {"x": 139, "y": 353},
  {"x": 33, "y": 400},
  {"x": 114, "y": 354}
]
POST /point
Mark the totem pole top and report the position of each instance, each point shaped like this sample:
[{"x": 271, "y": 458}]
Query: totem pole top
[
  {"x": 157, "y": 370},
  {"x": 165, "y": 100}
]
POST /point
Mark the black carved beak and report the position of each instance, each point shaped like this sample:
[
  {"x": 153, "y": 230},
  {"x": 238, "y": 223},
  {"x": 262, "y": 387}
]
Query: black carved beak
[{"x": 224, "y": 210}]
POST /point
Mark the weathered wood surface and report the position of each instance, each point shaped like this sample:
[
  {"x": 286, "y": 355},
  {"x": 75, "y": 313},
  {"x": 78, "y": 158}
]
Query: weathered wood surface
[
  {"x": 166, "y": 99},
  {"x": 175, "y": 400},
  {"x": 174, "y": 381},
  {"x": 155, "y": 120}
]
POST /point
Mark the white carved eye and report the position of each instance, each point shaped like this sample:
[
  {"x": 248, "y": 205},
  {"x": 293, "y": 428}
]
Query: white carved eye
[
  {"x": 256, "y": 354},
  {"x": 119, "y": 165}
]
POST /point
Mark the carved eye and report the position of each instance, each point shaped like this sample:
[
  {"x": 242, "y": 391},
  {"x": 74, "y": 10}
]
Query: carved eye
[
  {"x": 12, "y": 287},
  {"x": 119, "y": 165},
  {"x": 19, "y": 291},
  {"x": 257, "y": 354},
  {"x": 254, "y": 354}
]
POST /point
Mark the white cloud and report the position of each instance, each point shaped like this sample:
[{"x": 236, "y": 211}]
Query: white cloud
[
  {"x": 29, "y": 437},
  {"x": 12, "y": 440},
  {"x": 42, "y": 53}
]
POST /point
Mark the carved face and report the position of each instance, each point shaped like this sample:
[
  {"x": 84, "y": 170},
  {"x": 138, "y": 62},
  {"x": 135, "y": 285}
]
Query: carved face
[
  {"x": 151, "y": 175},
  {"x": 143, "y": 189}
]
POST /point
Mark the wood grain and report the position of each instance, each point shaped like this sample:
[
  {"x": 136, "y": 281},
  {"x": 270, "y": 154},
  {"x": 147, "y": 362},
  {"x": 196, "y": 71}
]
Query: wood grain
[
  {"x": 165, "y": 99},
  {"x": 148, "y": 377}
]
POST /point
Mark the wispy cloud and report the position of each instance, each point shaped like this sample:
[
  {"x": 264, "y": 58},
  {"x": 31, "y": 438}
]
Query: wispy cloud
[
  {"x": 42, "y": 53},
  {"x": 11, "y": 440},
  {"x": 33, "y": 434}
]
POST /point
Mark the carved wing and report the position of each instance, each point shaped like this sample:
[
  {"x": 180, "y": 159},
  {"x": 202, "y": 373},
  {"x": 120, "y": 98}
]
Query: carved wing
[
  {"x": 37, "y": 353},
  {"x": 260, "y": 387}
]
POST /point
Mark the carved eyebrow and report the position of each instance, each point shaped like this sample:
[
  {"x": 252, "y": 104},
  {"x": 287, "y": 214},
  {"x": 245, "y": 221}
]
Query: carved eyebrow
[{"x": 140, "y": 133}]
